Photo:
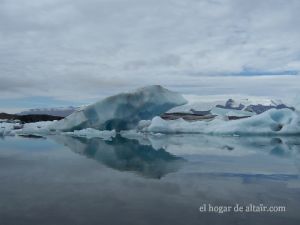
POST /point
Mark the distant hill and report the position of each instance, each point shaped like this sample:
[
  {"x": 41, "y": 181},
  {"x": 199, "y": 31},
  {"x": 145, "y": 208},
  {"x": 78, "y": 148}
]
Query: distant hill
[
  {"x": 29, "y": 118},
  {"x": 57, "y": 111},
  {"x": 256, "y": 108},
  {"x": 236, "y": 103}
]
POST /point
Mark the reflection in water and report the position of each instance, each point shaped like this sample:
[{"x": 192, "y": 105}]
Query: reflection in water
[
  {"x": 231, "y": 155},
  {"x": 285, "y": 147},
  {"x": 43, "y": 182},
  {"x": 125, "y": 155},
  {"x": 156, "y": 156}
]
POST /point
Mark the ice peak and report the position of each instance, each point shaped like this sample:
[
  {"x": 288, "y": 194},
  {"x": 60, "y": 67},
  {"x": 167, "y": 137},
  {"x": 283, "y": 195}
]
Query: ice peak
[{"x": 124, "y": 110}]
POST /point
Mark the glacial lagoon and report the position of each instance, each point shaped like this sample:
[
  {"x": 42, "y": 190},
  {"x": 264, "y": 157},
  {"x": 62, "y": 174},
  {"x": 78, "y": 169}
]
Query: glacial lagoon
[{"x": 162, "y": 179}]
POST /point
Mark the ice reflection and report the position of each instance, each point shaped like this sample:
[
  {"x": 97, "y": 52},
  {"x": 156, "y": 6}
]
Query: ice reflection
[
  {"x": 262, "y": 155},
  {"x": 39, "y": 176},
  {"x": 125, "y": 155},
  {"x": 156, "y": 156}
]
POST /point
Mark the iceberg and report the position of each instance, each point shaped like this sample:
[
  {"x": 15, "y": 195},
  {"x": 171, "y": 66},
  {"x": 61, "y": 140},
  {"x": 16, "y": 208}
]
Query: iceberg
[
  {"x": 271, "y": 122},
  {"x": 122, "y": 111}
]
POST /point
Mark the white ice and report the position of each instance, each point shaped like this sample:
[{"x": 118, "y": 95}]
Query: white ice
[
  {"x": 93, "y": 133},
  {"x": 278, "y": 122}
]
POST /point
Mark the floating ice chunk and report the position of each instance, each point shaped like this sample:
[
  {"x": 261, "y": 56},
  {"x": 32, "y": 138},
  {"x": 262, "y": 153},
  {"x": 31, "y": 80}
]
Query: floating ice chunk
[
  {"x": 7, "y": 129},
  {"x": 92, "y": 133},
  {"x": 36, "y": 128},
  {"x": 158, "y": 125},
  {"x": 143, "y": 123},
  {"x": 122, "y": 111},
  {"x": 283, "y": 121}
]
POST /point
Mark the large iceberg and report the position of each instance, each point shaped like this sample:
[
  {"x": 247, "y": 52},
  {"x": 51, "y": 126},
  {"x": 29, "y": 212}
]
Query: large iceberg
[
  {"x": 274, "y": 122},
  {"x": 122, "y": 111}
]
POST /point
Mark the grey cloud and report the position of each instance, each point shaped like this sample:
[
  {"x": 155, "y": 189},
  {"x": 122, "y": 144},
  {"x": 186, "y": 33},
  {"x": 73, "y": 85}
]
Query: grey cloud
[
  {"x": 57, "y": 47},
  {"x": 165, "y": 61}
]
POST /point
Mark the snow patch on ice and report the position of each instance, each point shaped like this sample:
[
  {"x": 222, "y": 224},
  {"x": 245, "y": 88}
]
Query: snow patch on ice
[
  {"x": 230, "y": 112},
  {"x": 209, "y": 102}
]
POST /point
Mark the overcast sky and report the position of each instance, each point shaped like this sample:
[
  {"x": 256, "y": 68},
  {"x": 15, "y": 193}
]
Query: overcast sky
[{"x": 71, "y": 52}]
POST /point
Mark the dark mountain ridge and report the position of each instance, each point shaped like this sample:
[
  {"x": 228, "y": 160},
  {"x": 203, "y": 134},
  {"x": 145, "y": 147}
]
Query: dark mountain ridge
[{"x": 29, "y": 118}]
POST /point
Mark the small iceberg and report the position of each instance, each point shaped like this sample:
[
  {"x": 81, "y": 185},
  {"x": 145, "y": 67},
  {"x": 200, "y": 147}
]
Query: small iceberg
[
  {"x": 93, "y": 133},
  {"x": 272, "y": 122}
]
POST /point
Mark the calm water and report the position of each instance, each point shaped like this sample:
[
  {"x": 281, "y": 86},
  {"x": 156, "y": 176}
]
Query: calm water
[{"x": 156, "y": 180}]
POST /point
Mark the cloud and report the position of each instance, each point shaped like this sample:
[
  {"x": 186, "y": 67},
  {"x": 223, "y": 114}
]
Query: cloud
[{"x": 89, "y": 48}]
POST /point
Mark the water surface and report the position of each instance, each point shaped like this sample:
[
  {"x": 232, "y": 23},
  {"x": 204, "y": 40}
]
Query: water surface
[{"x": 154, "y": 180}]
